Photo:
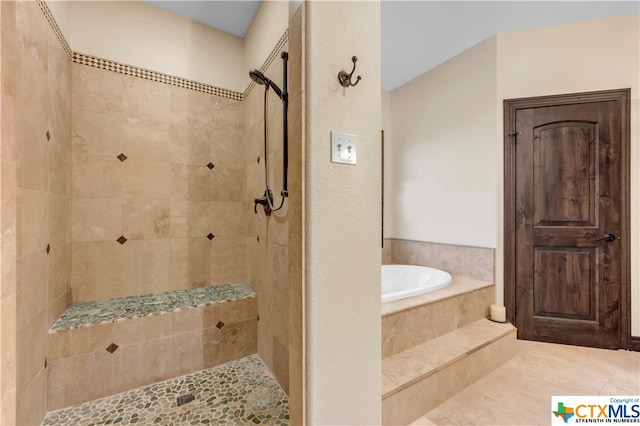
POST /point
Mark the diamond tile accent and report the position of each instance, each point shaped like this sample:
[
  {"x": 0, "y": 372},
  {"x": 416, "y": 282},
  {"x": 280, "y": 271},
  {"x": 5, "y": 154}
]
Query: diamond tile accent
[
  {"x": 258, "y": 238},
  {"x": 121, "y": 240},
  {"x": 112, "y": 348},
  {"x": 258, "y": 160},
  {"x": 219, "y": 325},
  {"x": 122, "y": 157},
  {"x": 48, "y": 136},
  {"x": 210, "y": 166},
  {"x": 48, "y": 249},
  {"x": 210, "y": 236}
]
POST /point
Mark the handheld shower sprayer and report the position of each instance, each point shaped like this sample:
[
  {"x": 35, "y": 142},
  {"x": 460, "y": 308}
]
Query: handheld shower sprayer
[{"x": 267, "y": 198}]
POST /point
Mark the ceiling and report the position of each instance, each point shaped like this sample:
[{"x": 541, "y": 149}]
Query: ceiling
[{"x": 417, "y": 36}]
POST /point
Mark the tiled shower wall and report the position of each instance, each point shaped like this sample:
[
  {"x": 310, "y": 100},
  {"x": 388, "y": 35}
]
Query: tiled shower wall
[
  {"x": 36, "y": 203},
  {"x": 158, "y": 187},
  {"x": 267, "y": 237}
]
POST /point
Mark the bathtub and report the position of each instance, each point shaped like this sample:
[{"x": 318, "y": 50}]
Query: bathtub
[{"x": 400, "y": 281}]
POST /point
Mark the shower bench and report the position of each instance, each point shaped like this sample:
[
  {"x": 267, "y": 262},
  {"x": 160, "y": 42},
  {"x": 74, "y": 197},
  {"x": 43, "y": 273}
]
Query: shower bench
[{"x": 104, "y": 347}]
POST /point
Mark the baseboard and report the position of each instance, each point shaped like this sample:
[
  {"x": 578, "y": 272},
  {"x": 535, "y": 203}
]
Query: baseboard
[{"x": 634, "y": 343}]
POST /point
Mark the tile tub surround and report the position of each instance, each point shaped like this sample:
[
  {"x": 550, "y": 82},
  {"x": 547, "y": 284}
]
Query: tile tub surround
[
  {"x": 112, "y": 356},
  {"x": 463, "y": 261},
  {"x": 238, "y": 392},
  {"x": 460, "y": 303}
]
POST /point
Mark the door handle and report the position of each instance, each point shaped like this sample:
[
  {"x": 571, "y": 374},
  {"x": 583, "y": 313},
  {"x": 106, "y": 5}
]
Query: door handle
[{"x": 608, "y": 238}]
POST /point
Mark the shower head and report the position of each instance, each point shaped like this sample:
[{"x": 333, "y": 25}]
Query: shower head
[{"x": 259, "y": 78}]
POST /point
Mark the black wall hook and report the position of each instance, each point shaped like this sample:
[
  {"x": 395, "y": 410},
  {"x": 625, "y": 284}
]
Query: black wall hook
[{"x": 345, "y": 79}]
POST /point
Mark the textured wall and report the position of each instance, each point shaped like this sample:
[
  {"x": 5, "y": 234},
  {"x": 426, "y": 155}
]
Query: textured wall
[
  {"x": 163, "y": 198},
  {"x": 37, "y": 83},
  {"x": 443, "y": 158},
  {"x": 137, "y": 33},
  {"x": 267, "y": 236},
  {"x": 342, "y": 216}
]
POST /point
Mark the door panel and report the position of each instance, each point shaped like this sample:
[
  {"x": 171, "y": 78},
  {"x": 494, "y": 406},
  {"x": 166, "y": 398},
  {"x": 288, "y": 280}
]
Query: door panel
[{"x": 568, "y": 193}]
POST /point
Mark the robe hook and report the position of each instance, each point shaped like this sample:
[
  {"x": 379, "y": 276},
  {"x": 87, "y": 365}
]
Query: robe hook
[{"x": 345, "y": 79}]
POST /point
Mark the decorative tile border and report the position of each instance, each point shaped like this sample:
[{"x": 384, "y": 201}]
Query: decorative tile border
[
  {"x": 109, "y": 65},
  {"x": 55, "y": 27}
]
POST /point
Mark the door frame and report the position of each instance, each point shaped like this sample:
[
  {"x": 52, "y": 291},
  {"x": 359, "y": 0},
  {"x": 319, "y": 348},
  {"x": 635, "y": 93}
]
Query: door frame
[{"x": 622, "y": 97}]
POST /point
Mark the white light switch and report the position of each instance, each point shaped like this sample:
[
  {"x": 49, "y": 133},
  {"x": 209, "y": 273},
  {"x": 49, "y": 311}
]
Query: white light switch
[{"x": 343, "y": 148}]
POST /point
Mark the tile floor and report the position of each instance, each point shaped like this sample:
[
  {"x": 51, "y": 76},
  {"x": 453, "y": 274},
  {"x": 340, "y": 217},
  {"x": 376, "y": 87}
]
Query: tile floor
[
  {"x": 241, "y": 392},
  {"x": 519, "y": 392}
]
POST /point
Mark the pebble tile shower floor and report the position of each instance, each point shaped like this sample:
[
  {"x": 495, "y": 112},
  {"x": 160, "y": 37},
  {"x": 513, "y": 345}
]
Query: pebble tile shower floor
[{"x": 241, "y": 392}]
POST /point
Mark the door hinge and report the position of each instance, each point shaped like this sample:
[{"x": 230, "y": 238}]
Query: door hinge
[{"x": 514, "y": 133}]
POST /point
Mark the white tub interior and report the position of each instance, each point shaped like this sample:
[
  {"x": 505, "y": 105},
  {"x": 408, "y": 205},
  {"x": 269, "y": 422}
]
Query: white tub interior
[{"x": 400, "y": 281}]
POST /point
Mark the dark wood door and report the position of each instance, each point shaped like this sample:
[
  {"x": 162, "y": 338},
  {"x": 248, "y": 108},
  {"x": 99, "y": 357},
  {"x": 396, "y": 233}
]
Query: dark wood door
[{"x": 569, "y": 221}]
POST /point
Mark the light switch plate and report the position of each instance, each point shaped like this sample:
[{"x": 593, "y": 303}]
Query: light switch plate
[{"x": 343, "y": 147}]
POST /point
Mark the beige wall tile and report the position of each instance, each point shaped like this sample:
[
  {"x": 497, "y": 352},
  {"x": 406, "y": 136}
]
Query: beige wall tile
[
  {"x": 228, "y": 182},
  {"x": 81, "y": 341},
  {"x": 281, "y": 364},
  {"x": 145, "y": 267},
  {"x": 96, "y": 133},
  {"x": 190, "y": 219},
  {"x": 190, "y": 182},
  {"x": 31, "y": 350},
  {"x": 188, "y": 103},
  {"x": 32, "y": 403},
  {"x": 188, "y": 351},
  {"x": 226, "y": 111},
  {"x": 70, "y": 381},
  {"x": 238, "y": 340},
  {"x": 211, "y": 338},
  {"x": 239, "y": 310},
  {"x": 228, "y": 147},
  {"x": 146, "y": 98},
  {"x": 142, "y": 363},
  {"x": 94, "y": 89},
  {"x": 145, "y": 219},
  {"x": 190, "y": 142},
  {"x": 96, "y": 270},
  {"x": 228, "y": 218},
  {"x": 35, "y": 221},
  {"x": 59, "y": 158},
  {"x": 228, "y": 260},
  {"x": 138, "y": 330},
  {"x": 144, "y": 138},
  {"x": 102, "y": 374},
  {"x": 97, "y": 219},
  {"x": 190, "y": 263},
  {"x": 145, "y": 180},
  {"x": 56, "y": 308},
  {"x": 265, "y": 345},
  {"x": 187, "y": 320},
  {"x": 96, "y": 176},
  {"x": 33, "y": 294}
]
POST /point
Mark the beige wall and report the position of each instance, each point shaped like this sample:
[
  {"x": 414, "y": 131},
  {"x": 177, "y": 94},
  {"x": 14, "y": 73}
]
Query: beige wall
[
  {"x": 580, "y": 57},
  {"x": 163, "y": 198},
  {"x": 448, "y": 128},
  {"x": 136, "y": 33},
  {"x": 388, "y": 207},
  {"x": 36, "y": 203},
  {"x": 444, "y": 159},
  {"x": 268, "y": 25},
  {"x": 342, "y": 219},
  {"x": 267, "y": 236}
]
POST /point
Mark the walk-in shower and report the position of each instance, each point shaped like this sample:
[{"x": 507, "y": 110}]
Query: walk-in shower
[{"x": 267, "y": 200}]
